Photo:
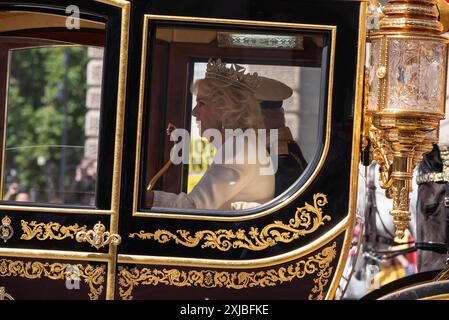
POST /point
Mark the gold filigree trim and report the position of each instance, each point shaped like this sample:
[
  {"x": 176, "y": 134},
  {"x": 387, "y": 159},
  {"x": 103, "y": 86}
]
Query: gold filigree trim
[
  {"x": 6, "y": 231},
  {"x": 4, "y": 295},
  {"x": 318, "y": 265},
  {"x": 98, "y": 237},
  {"x": 307, "y": 220},
  {"x": 443, "y": 275},
  {"x": 94, "y": 276},
  {"x": 49, "y": 231}
]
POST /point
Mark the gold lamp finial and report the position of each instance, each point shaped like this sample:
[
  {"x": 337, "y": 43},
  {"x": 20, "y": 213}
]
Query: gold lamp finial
[
  {"x": 443, "y": 8},
  {"x": 406, "y": 95}
]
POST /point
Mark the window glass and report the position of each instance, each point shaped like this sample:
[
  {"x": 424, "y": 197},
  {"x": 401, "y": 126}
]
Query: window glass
[
  {"x": 246, "y": 109},
  {"x": 50, "y": 95},
  {"x": 300, "y": 118},
  {"x": 52, "y": 122}
]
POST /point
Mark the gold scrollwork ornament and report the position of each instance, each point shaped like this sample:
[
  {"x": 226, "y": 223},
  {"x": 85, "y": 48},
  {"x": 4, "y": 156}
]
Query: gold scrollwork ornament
[
  {"x": 98, "y": 237},
  {"x": 4, "y": 295},
  {"x": 306, "y": 221},
  {"x": 319, "y": 265},
  {"x": 93, "y": 276},
  {"x": 6, "y": 231},
  {"x": 49, "y": 231}
]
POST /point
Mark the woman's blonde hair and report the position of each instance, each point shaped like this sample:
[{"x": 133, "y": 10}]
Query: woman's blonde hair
[{"x": 238, "y": 108}]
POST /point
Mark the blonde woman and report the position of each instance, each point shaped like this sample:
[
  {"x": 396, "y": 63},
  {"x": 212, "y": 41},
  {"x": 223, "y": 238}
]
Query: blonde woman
[{"x": 225, "y": 100}]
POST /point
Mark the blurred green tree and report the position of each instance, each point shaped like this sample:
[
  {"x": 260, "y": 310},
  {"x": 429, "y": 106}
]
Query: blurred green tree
[{"x": 42, "y": 82}]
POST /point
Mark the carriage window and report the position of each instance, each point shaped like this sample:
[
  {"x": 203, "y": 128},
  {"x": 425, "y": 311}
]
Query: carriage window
[
  {"x": 52, "y": 95},
  {"x": 285, "y": 118},
  {"x": 231, "y": 118}
]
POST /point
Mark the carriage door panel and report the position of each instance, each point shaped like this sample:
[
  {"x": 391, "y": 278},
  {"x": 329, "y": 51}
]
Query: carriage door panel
[
  {"x": 290, "y": 246},
  {"x": 61, "y": 105}
]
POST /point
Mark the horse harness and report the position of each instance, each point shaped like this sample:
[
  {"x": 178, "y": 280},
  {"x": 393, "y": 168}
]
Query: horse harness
[
  {"x": 372, "y": 238},
  {"x": 438, "y": 177}
]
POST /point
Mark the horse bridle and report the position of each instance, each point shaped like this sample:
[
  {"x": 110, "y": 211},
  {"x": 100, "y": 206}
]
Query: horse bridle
[{"x": 438, "y": 177}]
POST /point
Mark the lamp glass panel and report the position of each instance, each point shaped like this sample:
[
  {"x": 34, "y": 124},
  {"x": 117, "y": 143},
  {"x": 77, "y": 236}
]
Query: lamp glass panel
[
  {"x": 373, "y": 81},
  {"x": 416, "y": 75}
]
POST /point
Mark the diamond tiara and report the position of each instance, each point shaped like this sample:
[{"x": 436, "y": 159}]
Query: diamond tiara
[{"x": 234, "y": 75}]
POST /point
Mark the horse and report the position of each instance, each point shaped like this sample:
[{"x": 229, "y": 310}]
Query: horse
[{"x": 433, "y": 209}]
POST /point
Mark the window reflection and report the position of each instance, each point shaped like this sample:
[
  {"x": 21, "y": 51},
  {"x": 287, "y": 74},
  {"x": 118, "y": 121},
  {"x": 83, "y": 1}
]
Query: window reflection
[
  {"x": 289, "y": 71},
  {"x": 52, "y": 124},
  {"x": 297, "y": 122}
]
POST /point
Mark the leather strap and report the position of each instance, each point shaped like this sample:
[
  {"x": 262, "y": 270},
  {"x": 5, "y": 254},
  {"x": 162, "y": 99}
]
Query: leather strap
[
  {"x": 446, "y": 206},
  {"x": 437, "y": 177},
  {"x": 370, "y": 236},
  {"x": 437, "y": 247}
]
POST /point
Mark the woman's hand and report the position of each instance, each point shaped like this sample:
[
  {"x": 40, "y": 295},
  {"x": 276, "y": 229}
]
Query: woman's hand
[
  {"x": 12, "y": 190},
  {"x": 149, "y": 198}
]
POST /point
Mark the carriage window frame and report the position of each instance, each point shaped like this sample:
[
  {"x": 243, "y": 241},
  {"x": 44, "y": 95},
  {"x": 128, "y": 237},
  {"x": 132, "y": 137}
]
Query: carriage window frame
[
  {"x": 324, "y": 121},
  {"x": 119, "y": 13}
]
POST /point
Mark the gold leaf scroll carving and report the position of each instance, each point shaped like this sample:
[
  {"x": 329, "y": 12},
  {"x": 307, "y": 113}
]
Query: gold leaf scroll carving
[
  {"x": 49, "y": 231},
  {"x": 318, "y": 265},
  {"x": 307, "y": 220},
  {"x": 94, "y": 276}
]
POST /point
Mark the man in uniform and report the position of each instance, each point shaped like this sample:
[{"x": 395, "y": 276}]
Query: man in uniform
[{"x": 291, "y": 162}]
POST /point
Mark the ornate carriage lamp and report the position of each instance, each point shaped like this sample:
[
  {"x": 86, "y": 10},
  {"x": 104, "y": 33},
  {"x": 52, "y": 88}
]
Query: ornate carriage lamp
[{"x": 406, "y": 95}]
